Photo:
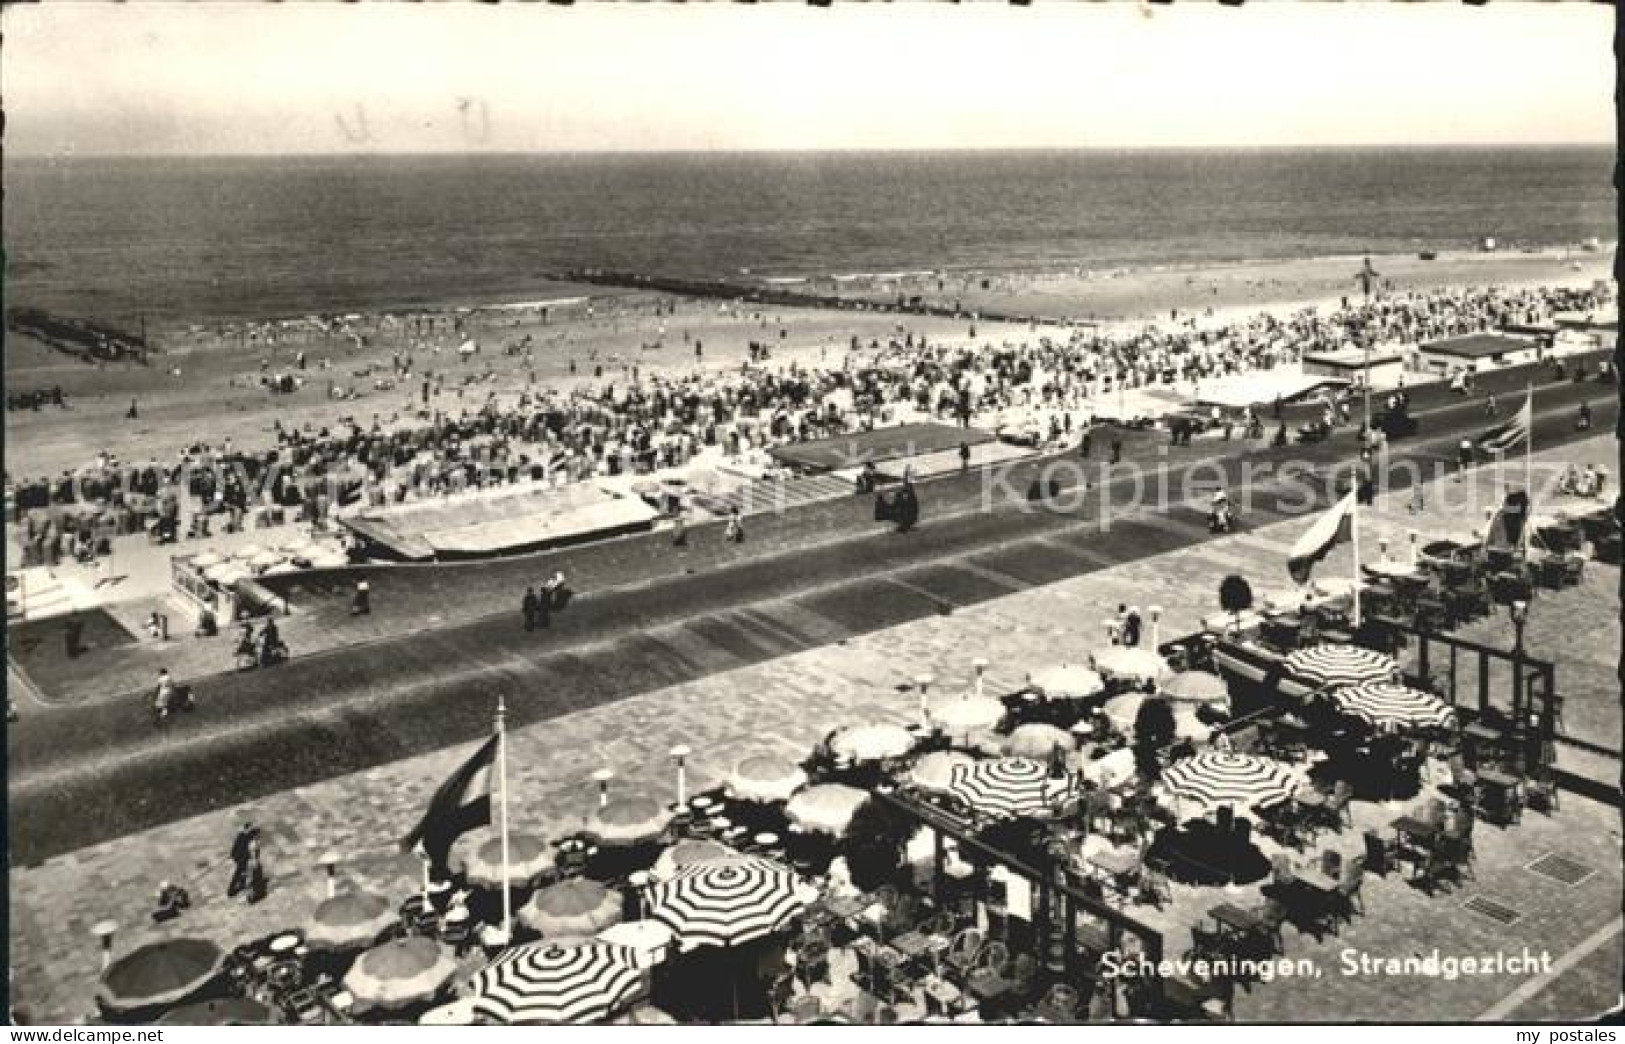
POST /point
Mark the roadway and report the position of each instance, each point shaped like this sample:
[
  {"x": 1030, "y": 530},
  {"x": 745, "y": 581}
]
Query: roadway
[{"x": 649, "y": 618}]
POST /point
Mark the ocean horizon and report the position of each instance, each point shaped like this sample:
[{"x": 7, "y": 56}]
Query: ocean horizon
[{"x": 202, "y": 238}]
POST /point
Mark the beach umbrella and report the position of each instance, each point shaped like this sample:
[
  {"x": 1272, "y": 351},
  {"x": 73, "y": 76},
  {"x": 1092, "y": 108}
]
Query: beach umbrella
[
  {"x": 396, "y": 974},
  {"x": 872, "y": 742},
  {"x": 1009, "y": 787},
  {"x": 1196, "y": 687},
  {"x": 1107, "y": 770},
  {"x": 644, "y": 1015},
  {"x": 1335, "y": 664},
  {"x": 228, "y": 1011},
  {"x": 1066, "y": 682},
  {"x": 1388, "y": 703},
  {"x": 1215, "y": 777},
  {"x": 577, "y": 906},
  {"x": 934, "y": 771},
  {"x": 159, "y": 974},
  {"x": 349, "y": 920},
  {"x": 766, "y": 778},
  {"x": 1123, "y": 711},
  {"x": 963, "y": 715},
  {"x": 649, "y": 941},
  {"x": 556, "y": 984},
  {"x": 1131, "y": 662},
  {"x": 686, "y": 852},
  {"x": 529, "y": 857},
  {"x": 827, "y": 808},
  {"x": 628, "y": 821},
  {"x": 727, "y": 902},
  {"x": 1038, "y": 741}
]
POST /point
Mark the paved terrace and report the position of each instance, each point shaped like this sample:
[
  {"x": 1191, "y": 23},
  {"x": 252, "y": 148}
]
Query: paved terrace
[{"x": 787, "y": 704}]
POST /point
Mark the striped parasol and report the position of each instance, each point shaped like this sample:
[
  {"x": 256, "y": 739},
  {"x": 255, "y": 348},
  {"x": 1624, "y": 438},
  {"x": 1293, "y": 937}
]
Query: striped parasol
[
  {"x": 1066, "y": 682},
  {"x": 872, "y": 742},
  {"x": 1009, "y": 787},
  {"x": 962, "y": 715},
  {"x": 727, "y": 902},
  {"x": 1335, "y": 664},
  {"x": 1130, "y": 662},
  {"x": 557, "y": 984},
  {"x": 766, "y": 778},
  {"x": 396, "y": 974},
  {"x": 628, "y": 821},
  {"x": 1214, "y": 777},
  {"x": 529, "y": 857},
  {"x": 934, "y": 771},
  {"x": 574, "y": 907},
  {"x": 1388, "y": 703},
  {"x": 827, "y": 808},
  {"x": 1196, "y": 687},
  {"x": 349, "y": 920}
]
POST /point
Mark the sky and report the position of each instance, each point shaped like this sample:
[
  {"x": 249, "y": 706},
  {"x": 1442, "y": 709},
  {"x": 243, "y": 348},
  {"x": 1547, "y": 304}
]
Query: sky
[{"x": 217, "y": 78}]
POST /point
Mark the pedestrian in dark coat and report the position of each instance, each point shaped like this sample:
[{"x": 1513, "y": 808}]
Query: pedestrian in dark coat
[
  {"x": 245, "y": 861},
  {"x": 528, "y": 607}
]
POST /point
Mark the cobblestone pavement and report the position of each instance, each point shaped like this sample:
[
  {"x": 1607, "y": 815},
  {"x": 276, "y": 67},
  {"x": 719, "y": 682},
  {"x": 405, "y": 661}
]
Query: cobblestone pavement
[{"x": 787, "y": 705}]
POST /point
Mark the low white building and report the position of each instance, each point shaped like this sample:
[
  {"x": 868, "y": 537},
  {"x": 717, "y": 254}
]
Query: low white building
[
  {"x": 1477, "y": 352},
  {"x": 1387, "y": 365}
]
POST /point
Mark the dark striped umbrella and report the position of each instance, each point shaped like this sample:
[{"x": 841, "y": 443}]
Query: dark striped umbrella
[
  {"x": 1388, "y": 703},
  {"x": 557, "y": 984},
  {"x": 1215, "y": 777},
  {"x": 1334, "y": 664},
  {"x": 726, "y": 902},
  {"x": 1009, "y": 787}
]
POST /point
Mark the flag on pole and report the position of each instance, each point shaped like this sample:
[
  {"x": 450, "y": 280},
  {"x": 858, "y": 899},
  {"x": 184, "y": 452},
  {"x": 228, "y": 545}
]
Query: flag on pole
[
  {"x": 1507, "y": 527},
  {"x": 1331, "y": 529},
  {"x": 1512, "y": 434},
  {"x": 462, "y": 803}
]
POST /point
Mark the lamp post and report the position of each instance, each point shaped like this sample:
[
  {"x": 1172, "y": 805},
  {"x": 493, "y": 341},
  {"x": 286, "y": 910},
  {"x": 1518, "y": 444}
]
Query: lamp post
[
  {"x": 1519, "y": 611},
  {"x": 329, "y": 862},
  {"x": 603, "y": 776},
  {"x": 1156, "y": 628},
  {"x": 679, "y": 754},
  {"x": 104, "y": 932},
  {"x": 980, "y": 663}
]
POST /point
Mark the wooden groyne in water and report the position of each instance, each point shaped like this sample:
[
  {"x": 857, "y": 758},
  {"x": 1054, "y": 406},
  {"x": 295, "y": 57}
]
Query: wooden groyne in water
[{"x": 757, "y": 293}]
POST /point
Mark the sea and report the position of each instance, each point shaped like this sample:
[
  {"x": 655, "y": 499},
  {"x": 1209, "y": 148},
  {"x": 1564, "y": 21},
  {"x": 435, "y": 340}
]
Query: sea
[{"x": 211, "y": 238}]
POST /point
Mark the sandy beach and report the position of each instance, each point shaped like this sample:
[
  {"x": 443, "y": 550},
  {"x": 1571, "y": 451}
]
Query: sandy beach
[{"x": 203, "y": 384}]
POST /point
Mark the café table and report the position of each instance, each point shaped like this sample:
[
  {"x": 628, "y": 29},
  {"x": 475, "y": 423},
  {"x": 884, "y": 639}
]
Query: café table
[
  {"x": 285, "y": 943},
  {"x": 1416, "y": 829}
]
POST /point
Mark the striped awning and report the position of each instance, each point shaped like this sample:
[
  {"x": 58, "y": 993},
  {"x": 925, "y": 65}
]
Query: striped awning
[
  {"x": 726, "y": 902},
  {"x": 556, "y": 984},
  {"x": 1213, "y": 778},
  {"x": 1334, "y": 664},
  {"x": 1009, "y": 787},
  {"x": 1389, "y": 703}
]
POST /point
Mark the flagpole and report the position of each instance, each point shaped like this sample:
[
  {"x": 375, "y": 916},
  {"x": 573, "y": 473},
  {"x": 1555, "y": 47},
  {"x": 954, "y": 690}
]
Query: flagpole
[
  {"x": 502, "y": 811},
  {"x": 1528, "y": 468},
  {"x": 1354, "y": 538}
]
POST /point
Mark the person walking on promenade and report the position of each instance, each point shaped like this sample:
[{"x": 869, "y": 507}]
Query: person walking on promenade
[
  {"x": 1584, "y": 423},
  {"x": 1464, "y": 457},
  {"x": 247, "y": 869},
  {"x": 361, "y": 604},
  {"x": 964, "y": 457},
  {"x": 528, "y": 607},
  {"x": 679, "y": 529},
  {"x": 1117, "y": 451},
  {"x": 1083, "y": 447},
  {"x": 735, "y": 532},
  {"x": 163, "y": 700}
]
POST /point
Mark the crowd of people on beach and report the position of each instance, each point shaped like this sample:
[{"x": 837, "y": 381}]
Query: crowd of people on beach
[{"x": 636, "y": 422}]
